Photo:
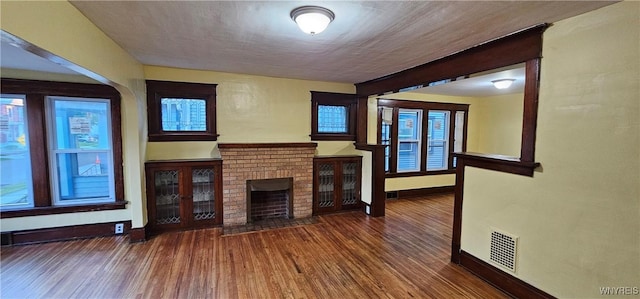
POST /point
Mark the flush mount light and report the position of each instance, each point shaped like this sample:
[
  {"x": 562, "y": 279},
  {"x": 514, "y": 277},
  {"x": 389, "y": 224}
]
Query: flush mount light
[
  {"x": 312, "y": 19},
  {"x": 502, "y": 83}
]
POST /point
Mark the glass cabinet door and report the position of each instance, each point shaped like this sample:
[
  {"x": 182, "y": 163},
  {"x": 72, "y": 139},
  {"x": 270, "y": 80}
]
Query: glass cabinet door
[
  {"x": 349, "y": 183},
  {"x": 167, "y": 196},
  {"x": 202, "y": 182},
  {"x": 325, "y": 185}
]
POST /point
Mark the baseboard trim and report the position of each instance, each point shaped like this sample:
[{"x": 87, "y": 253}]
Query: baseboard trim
[
  {"x": 500, "y": 279},
  {"x": 425, "y": 191},
  {"x": 137, "y": 235},
  {"x": 64, "y": 233}
]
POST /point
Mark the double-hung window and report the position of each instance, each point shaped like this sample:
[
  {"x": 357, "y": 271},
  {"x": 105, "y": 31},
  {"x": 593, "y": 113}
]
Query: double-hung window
[
  {"x": 409, "y": 139},
  {"x": 80, "y": 150},
  {"x": 438, "y": 140},
  {"x": 420, "y": 137}
]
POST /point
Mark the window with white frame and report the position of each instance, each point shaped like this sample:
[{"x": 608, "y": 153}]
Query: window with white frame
[
  {"x": 438, "y": 140},
  {"x": 409, "y": 139},
  {"x": 80, "y": 150},
  {"x": 420, "y": 137}
]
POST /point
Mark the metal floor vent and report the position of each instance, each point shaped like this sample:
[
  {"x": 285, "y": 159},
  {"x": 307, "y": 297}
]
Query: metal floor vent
[{"x": 503, "y": 249}]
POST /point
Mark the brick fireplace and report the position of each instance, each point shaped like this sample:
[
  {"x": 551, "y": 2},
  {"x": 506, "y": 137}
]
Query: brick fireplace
[{"x": 244, "y": 162}]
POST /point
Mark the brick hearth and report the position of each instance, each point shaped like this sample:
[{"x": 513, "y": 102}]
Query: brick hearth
[{"x": 257, "y": 161}]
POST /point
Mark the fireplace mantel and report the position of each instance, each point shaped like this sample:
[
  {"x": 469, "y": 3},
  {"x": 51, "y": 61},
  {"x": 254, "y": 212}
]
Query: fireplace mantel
[{"x": 267, "y": 145}]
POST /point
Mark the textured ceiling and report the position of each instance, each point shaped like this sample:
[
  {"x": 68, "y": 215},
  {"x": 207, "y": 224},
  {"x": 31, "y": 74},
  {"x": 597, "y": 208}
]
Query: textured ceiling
[{"x": 367, "y": 39}]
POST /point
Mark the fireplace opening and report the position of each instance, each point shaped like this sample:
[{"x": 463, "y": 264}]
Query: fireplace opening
[{"x": 269, "y": 198}]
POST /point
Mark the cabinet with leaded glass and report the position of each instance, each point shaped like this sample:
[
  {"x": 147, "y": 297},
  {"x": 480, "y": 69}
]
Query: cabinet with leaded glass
[
  {"x": 336, "y": 183},
  {"x": 183, "y": 194}
]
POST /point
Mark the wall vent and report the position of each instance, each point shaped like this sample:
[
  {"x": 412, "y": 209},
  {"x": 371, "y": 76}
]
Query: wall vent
[{"x": 503, "y": 249}]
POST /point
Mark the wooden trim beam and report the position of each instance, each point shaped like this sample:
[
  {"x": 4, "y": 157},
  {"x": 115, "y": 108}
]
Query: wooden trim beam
[
  {"x": 362, "y": 115},
  {"x": 530, "y": 110},
  {"x": 498, "y": 163}
]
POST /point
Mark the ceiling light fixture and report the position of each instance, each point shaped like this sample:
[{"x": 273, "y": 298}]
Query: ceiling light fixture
[
  {"x": 502, "y": 83},
  {"x": 312, "y": 19}
]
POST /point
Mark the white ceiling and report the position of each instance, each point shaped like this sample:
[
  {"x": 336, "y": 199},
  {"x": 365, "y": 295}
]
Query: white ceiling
[
  {"x": 367, "y": 39},
  {"x": 480, "y": 85}
]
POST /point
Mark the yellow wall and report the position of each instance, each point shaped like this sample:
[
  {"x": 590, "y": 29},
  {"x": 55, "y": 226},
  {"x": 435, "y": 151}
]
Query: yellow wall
[
  {"x": 251, "y": 109},
  {"x": 499, "y": 124},
  {"x": 59, "y": 28},
  {"x": 417, "y": 182},
  {"x": 578, "y": 219}
]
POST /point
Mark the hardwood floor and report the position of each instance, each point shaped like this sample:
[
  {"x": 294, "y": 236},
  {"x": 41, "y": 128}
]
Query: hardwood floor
[{"x": 347, "y": 255}]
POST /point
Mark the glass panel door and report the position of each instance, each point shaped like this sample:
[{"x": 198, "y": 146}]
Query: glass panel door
[
  {"x": 349, "y": 183},
  {"x": 325, "y": 185},
  {"x": 202, "y": 182},
  {"x": 167, "y": 195}
]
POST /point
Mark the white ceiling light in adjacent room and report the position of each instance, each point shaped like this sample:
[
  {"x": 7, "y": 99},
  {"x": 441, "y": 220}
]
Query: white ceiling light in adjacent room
[
  {"x": 502, "y": 83},
  {"x": 312, "y": 19}
]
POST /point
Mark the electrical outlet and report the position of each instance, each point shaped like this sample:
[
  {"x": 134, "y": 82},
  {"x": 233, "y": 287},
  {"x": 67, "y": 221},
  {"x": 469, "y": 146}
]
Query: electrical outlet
[{"x": 119, "y": 228}]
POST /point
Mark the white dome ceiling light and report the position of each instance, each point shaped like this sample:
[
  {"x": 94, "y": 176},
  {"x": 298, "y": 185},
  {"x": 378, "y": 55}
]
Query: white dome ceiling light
[
  {"x": 312, "y": 19},
  {"x": 502, "y": 83}
]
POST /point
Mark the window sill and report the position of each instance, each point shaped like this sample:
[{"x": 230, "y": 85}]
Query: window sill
[
  {"x": 419, "y": 173},
  {"x": 38, "y": 211},
  {"x": 497, "y": 162},
  {"x": 333, "y": 137}
]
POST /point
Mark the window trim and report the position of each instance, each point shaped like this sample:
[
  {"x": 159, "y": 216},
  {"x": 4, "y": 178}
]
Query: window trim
[
  {"x": 396, "y": 105},
  {"x": 156, "y": 90},
  {"x": 35, "y": 93},
  {"x": 333, "y": 99}
]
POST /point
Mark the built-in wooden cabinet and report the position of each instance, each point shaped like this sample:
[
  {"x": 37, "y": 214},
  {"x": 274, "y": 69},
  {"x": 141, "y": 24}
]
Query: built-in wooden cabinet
[
  {"x": 183, "y": 194},
  {"x": 336, "y": 183}
]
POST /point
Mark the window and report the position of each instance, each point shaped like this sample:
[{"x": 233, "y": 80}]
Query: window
[
  {"x": 180, "y": 111},
  {"x": 409, "y": 123},
  {"x": 80, "y": 150},
  {"x": 15, "y": 165},
  {"x": 60, "y": 148},
  {"x": 333, "y": 116},
  {"x": 438, "y": 140},
  {"x": 458, "y": 134},
  {"x": 420, "y": 137}
]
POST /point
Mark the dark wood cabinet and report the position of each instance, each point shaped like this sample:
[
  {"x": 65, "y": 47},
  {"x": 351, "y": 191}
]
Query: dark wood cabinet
[
  {"x": 183, "y": 194},
  {"x": 336, "y": 183}
]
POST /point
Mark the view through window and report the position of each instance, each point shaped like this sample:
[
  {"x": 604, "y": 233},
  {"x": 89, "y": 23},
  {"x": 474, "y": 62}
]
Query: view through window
[{"x": 15, "y": 163}]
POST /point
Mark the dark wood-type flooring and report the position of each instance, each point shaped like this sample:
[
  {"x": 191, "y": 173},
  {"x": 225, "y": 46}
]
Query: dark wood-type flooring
[{"x": 346, "y": 255}]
